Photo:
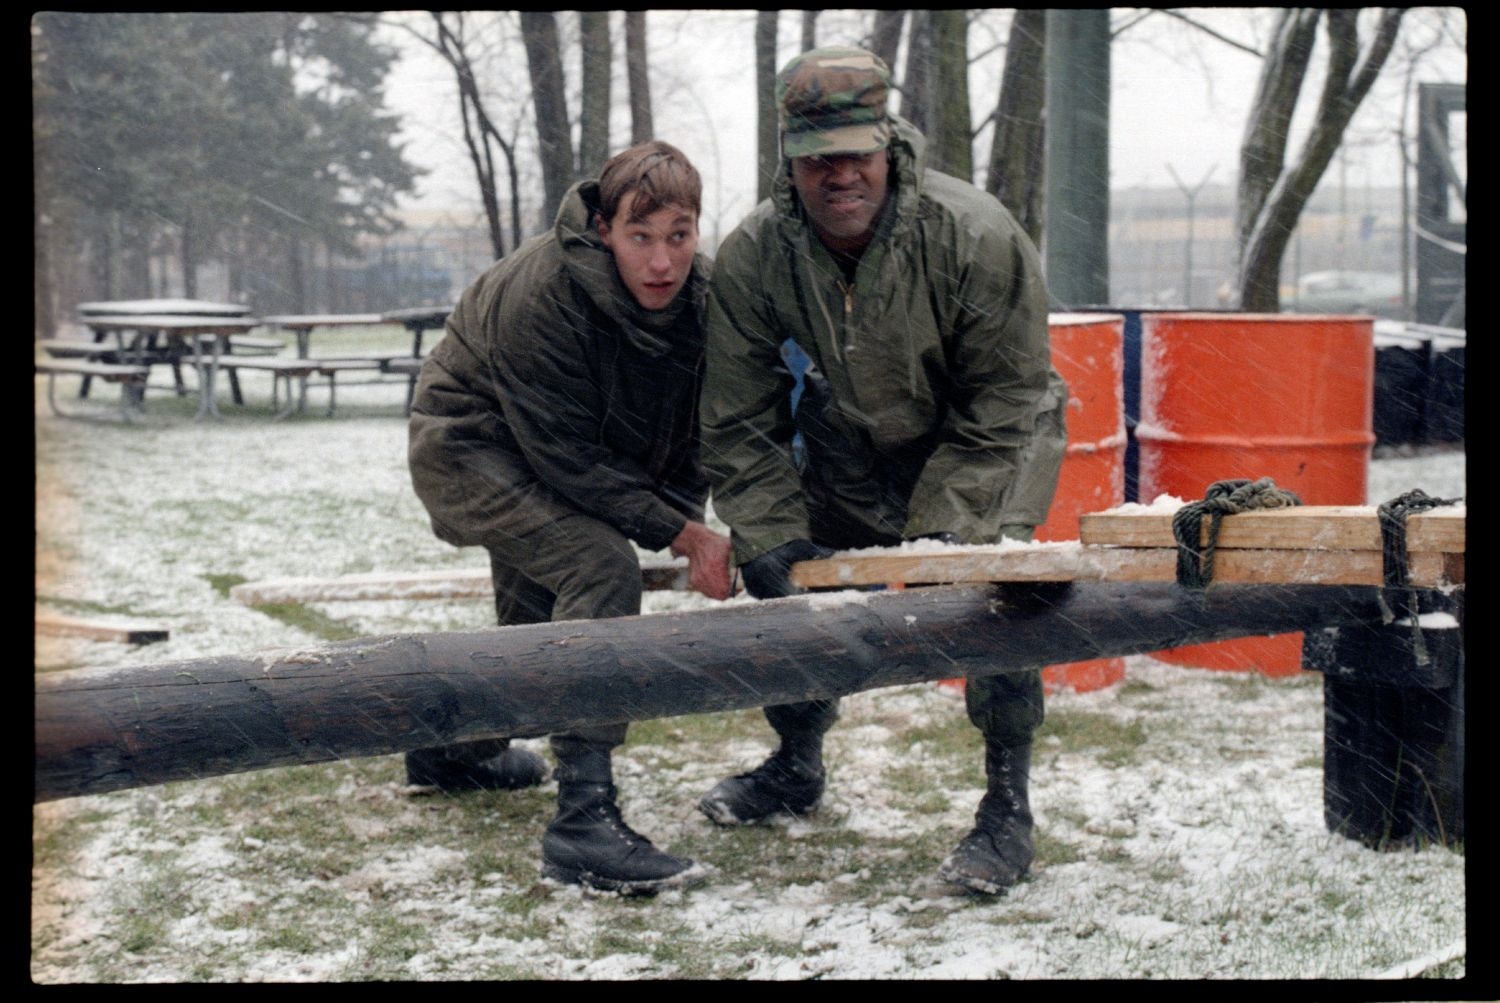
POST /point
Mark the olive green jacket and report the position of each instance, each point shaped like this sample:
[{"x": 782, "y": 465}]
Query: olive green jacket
[
  {"x": 944, "y": 411},
  {"x": 552, "y": 393}
]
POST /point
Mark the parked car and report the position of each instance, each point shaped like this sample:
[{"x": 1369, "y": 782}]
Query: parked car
[{"x": 1374, "y": 293}]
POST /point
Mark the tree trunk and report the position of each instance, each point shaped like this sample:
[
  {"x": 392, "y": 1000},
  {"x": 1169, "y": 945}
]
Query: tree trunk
[
  {"x": 188, "y": 247},
  {"x": 478, "y": 130},
  {"x": 43, "y": 296},
  {"x": 810, "y": 29},
  {"x": 1017, "y": 153},
  {"x": 768, "y": 133},
  {"x": 544, "y": 62},
  {"x": 593, "y": 138},
  {"x": 99, "y": 730},
  {"x": 951, "y": 148},
  {"x": 885, "y": 36},
  {"x": 915, "y": 93},
  {"x": 637, "y": 72},
  {"x": 1266, "y": 221}
]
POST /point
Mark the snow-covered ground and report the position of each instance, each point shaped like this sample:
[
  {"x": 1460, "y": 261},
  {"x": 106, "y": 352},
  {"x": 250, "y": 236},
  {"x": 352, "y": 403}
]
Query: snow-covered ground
[{"x": 1180, "y": 820}]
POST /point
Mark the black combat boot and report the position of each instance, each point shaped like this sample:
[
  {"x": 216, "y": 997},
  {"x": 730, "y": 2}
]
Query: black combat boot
[
  {"x": 791, "y": 781},
  {"x": 588, "y": 843},
  {"x": 487, "y": 765},
  {"x": 998, "y": 852}
]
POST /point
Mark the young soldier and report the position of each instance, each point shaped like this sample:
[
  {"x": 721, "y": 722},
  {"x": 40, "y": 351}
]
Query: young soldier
[
  {"x": 930, "y": 408},
  {"x": 556, "y": 423}
]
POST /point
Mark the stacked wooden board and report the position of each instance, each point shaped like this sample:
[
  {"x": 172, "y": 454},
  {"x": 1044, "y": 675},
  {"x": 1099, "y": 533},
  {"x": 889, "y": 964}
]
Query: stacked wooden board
[{"x": 1307, "y": 545}]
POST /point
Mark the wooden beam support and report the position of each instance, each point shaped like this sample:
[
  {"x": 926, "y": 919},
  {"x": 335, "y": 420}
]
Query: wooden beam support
[
  {"x": 100, "y": 730},
  {"x": 1307, "y": 527},
  {"x": 1070, "y": 561}
]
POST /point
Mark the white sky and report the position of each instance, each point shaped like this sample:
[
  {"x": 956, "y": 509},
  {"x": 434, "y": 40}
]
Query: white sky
[{"x": 1178, "y": 97}]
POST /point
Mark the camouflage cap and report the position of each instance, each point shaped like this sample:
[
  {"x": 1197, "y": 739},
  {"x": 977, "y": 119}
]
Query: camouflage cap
[{"x": 832, "y": 100}]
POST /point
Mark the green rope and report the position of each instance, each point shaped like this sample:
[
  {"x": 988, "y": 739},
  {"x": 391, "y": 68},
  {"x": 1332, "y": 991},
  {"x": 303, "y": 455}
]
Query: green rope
[
  {"x": 1395, "y": 569},
  {"x": 1195, "y": 568}
]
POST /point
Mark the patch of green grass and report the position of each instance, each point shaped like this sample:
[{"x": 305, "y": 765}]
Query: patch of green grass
[
  {"x": 292, "y": 937},
  {"x": 912, "y": 788},
  {"x": 390, "y": 938},
  {"x": 223, "y": 583},
  {"x": 316, "y": 623},
  {"x": 87, "y": 606},
  {"x": 293, "y": 614},
  {"x": 1078, "y": 730},
  {"x": 1052, "y": 851}
]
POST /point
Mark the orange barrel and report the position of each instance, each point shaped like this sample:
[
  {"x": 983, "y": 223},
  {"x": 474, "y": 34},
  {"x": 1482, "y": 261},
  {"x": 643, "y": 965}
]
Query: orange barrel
[
  {"x": 1088, "y": 350},
  {"x": 1284, "y": 396}
]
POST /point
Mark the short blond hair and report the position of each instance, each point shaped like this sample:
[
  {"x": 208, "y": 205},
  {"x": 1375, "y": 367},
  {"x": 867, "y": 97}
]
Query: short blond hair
[{"x": 660, "y": 175}]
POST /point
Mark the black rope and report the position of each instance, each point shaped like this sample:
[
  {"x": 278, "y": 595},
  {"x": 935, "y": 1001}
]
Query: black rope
[
  {"x": 1195, "y": 567},
  {"x": 1395, "y": 568}
]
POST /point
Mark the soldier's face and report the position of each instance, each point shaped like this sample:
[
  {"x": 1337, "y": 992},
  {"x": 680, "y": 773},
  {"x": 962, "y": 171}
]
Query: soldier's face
[
  {"x": 843, "y": 194},
  {"x": 654, "y": 254}
]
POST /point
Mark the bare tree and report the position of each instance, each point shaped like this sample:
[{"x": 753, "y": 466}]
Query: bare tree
[
  {"x": 593, "y": 130},
  {"x": 915, "y": 93},
  {"x": 810, "y": 29},
  {"x": 544, "y": 62},
  {"x": 451, "y": 41},
  {"x": 1271, "y": 196},
  {"x": 641, "y": 127},
  {"x": 885, "y": 35},
  {"x": 768, "y": 154},
  {"x": 950, "y": 141},
  {"x": 1019, "y": 143}
]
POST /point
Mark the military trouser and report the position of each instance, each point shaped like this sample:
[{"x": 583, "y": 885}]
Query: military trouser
[
  {"x": 1006, "y": 708},
  {"x": 575, "y": 568}
]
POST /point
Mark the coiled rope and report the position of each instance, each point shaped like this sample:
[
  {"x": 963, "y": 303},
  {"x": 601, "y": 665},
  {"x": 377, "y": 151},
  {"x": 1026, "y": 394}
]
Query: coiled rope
[
  {"x": 1195, "y": 567},
  {"x": 1395, "y": 569}
]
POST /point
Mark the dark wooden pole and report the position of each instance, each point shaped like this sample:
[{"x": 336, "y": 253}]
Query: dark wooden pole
[{"x": 104, "y": 730}]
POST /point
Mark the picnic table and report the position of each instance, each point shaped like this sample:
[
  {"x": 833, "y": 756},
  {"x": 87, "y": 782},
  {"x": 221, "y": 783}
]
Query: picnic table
[
  {"x": 417, "y": 320},
  {"x": 185, "y": 335}
]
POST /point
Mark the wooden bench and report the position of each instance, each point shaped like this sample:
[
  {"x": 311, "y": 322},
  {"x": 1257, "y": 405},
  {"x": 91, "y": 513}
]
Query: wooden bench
[
  {"x": 282, "y": 369},
  {"x": 409, "y": 366},
  {"x": 79, "y": 348},
  {"x": 255, "y": 344},
  {"x": 132, "y": 380}
]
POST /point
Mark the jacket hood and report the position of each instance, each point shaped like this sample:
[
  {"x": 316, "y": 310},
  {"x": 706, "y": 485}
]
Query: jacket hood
[
  {"x": 908, "y": 159},
  {"x": 592, "y": 267}
]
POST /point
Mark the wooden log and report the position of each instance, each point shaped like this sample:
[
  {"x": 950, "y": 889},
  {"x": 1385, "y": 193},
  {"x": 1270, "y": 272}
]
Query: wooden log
[
  {"x": 107, "y": 729},
  {"x": 1069, "y": 561},
  {"x": 466, "y": 583},
  {"x": 1308, "y": 527},
  {"x": 123, "y": 631}
]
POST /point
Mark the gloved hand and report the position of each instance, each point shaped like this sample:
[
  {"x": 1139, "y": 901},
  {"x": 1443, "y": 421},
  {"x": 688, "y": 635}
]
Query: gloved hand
[{"x": 766, "y": 577}]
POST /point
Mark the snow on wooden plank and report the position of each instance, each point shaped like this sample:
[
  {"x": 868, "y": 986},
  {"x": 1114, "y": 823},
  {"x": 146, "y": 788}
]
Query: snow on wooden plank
[
  {"x": 124, "y": 631},
  {"x": 1068, "y": 561},
  {"x": 1307, "y": 527},
  {"x": 468, "y": 583}
]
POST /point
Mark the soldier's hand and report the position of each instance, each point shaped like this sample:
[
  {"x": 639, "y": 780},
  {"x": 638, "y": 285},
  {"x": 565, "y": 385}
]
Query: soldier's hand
[
  {"x": 708, "y": 559},
  {"x": 767, "y": 576}
]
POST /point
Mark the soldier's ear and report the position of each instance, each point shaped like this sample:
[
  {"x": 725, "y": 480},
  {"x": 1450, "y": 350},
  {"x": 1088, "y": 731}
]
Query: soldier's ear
[{"x": 601, "y": 225}]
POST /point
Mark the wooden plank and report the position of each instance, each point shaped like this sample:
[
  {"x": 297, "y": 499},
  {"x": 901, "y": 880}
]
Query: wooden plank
[
  {"x": 467, "y": 583},
  {"x": 1308, "y": 527},
  {"x": 1051, "y": 562},
  {"x": 126, "y": 632}
]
